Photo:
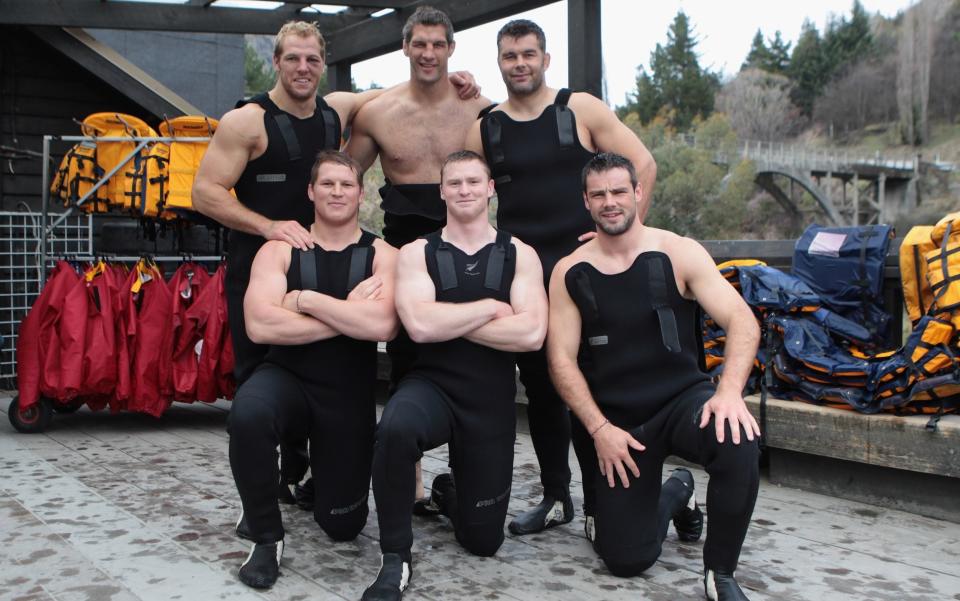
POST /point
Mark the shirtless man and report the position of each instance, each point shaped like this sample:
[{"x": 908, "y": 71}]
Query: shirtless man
[
  {"x": 413, "y": 128},
  {"x": 537, "y": 142},
  {"x": 264, "y": 150}
]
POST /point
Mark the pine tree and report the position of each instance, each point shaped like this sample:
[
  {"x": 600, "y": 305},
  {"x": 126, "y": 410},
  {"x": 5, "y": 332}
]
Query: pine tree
[
  {"x": 257, "y": 75},
  {"x": 759, "y": 55},
  {"x": 677, "y": 82},
  {"x": 779, "y": 51},
  {"x": 807, "y": 68}
]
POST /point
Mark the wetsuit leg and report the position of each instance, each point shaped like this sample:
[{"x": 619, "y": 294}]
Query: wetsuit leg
[
  {"x": 417, "y": 418},
  {"x": 397, "y": 231},
  {"x": 586, "y": 456},
  {"x": 484, "y": 471},
  {"x": 341, "y": 453},
  {"x": 549, "y": 424},
  {"x": 734, "y": 472},
  {"x": 270, "y": 406},
  {"x": 248, "y": 355}
]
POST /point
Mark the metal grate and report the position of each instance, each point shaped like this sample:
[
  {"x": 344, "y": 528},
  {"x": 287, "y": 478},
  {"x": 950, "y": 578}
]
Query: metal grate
[{"x": 20, "y": 272}]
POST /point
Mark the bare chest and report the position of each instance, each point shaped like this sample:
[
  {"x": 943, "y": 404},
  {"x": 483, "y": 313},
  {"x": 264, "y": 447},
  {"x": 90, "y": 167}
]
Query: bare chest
[{"x": 414, "y": 142}]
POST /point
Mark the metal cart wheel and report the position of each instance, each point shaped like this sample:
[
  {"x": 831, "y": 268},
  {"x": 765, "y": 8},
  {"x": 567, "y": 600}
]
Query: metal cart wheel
[{"x": 32, "y": 420}]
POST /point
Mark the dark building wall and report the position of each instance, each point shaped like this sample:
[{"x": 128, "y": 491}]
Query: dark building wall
[
  {"x": 42, "y": 92},
  {"x": 205, "y": 69}
]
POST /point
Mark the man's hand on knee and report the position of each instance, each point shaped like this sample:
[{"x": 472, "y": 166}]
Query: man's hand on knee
[
  {"x": 613, "y": 453},
  {"x": 729, "y": 408}
]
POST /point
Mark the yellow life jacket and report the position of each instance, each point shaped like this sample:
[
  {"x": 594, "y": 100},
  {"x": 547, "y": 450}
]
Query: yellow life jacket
[
  {"x": 75, "y": 177},
  {"x": 185, "y": 158},
  {"x": 156, "y": 180},
  {"x": 943, "y": 273},
  {"x": 121, "y": 188},
  {"x": 949, "y": 221},
  {"x": 917, "y": 296}
]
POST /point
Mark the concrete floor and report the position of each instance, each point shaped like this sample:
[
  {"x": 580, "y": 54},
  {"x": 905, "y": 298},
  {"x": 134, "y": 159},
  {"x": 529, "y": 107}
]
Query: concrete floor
[{"x": 124, "y": 507}]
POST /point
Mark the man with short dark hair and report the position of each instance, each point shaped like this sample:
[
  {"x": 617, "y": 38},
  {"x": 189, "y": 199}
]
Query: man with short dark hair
[
  {"x": 471, "y": 296},
  {"x": 624, "y": 353},
  {"x": 537, "y": 142},
  {"x": 321, "y": 312}
]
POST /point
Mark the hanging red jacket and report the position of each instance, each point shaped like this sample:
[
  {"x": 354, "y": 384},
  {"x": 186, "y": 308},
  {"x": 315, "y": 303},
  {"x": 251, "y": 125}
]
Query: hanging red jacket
[
  {"x": 226, "y": 383},
  {"x": 149, "y": 337},
  {"x": 185, "y": 287},
  {"x": 52, "y": 374},
  {"x": 209, "y": 316},
  {"x": 99, "y": 357},
  {"x": 34, "y": 336},
  {"x": 124, "y": 387}
]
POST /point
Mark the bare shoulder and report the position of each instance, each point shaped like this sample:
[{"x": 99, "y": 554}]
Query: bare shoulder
[
  {"x": 243, "y": 124},
  {"x": 413, "y": 252},
  {"x": 586, "y": 105},
  {"x": 382, "y": 249},
  {"x": 582, "y": 254},
  {"x": 525, "y": 252}
]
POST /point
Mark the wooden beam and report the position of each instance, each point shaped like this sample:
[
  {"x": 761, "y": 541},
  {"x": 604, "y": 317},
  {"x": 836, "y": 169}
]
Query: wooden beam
[
  {"x": 378, "y": 4},
  {"x": 585, "y": 55},
  {"x": 159, "y": 17},
  {"x": 338, "y": 77},
  {"x": 374, "y": 37}
]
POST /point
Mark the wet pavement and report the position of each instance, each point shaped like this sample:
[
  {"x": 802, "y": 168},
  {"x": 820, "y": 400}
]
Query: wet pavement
[{"x": 122, "y": 507}]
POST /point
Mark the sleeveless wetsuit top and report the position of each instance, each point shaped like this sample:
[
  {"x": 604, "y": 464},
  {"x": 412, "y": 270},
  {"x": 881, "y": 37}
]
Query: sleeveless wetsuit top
[
  {"x": 479, "y": 380},
  {"x": 275, "y": 183},
  {"x": 340, "y": 363},
  {"x": 536, "y": 165},
  {"x": 640, "y": 342}
]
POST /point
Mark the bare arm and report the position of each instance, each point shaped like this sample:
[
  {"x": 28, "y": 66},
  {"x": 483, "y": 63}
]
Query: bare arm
[
  {"x": 525, "y": 329},
  {"x": 473, "y": 141},
  {"x": 227, "y": 156},
  {"x": 612, "y": 443},
  {"x": 427, "y": 320},
  {"x": 727, "y": 308},
  {"x": 361, "y": 145},
  {"x": 368, "y": 312},
  {"x": 610, "y": 135},
  {"x": 267, "y": 321}
]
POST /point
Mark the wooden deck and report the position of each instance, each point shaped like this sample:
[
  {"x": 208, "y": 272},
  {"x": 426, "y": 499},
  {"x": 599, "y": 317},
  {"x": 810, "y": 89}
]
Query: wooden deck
[{"x": 124, "y": 507}]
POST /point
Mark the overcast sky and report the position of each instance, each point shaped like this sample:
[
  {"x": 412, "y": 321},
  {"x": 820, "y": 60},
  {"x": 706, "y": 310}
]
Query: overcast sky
[{"x": 630, "y": 30}]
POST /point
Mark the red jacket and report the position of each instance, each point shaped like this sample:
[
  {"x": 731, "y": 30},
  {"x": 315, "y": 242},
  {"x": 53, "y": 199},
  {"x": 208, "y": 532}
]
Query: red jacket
[
  {"x": 38, "y": 347},
  {"x": 210, "y": 317},
  {"x": 149, "y": 336},
  {"x": 185, "y": 287}
]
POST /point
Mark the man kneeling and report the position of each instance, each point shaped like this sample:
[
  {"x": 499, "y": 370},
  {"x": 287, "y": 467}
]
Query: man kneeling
[
  {"x": 473, "y": 297},
  {"x": 624, "y": 354},
  {"x": 322, "y": 311}
]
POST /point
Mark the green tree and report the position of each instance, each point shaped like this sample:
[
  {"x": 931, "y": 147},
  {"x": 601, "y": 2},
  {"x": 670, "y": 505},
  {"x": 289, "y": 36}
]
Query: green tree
[
  {"x": 847, "y": 41},
  {"x": 676, "y": 85},
  {"x": 808, "y": 68},
  {"x": 779, "y": 61},
  {"x": 258, "y": 77},
  {"x": 759, "y": 55}
]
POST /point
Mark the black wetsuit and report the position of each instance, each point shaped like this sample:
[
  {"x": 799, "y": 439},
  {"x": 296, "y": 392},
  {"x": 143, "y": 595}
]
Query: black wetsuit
[
  {"x": 324, "y": 390},
  {"x": 458, "y": 392},
  {"x": 275, "y": 186},
  {"x": 410, "y": 211},
  {"x": 537, "y": 165},
  {"x": 646, "y": 376}
]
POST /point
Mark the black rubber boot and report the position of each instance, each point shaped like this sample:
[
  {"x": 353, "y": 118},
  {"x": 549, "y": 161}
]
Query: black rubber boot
[
  {"x": 721, "y": 586},
  {"x": 688, "y": 522},
  {"x": 262, "y": 567},
  {"x": 443, "y": 494},
  {"x": 284, "y": 495},
  {"x": 549, "y": 513},
  {"x": 243, "y": 529},
  {"x": 304, "y": 494},
  {"x": 392, "y": 580}
]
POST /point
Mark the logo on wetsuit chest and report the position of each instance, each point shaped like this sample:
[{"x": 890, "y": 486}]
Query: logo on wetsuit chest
[
  {"x": 597, "y": 340},
  {"x": 472, "y": 268},
  {"x": 271, "y": 178}
]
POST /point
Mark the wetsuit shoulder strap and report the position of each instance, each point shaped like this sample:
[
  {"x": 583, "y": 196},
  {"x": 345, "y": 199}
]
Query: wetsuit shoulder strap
[
  {"x": 581, "y": 281},
  {"x": 445, "y": 265},
  {"x": 486, "y": 110},
  {"x": 307, "y": 263},
  {"x": 261, "y": 99},
  {"x": 495, "y": 261},
  {"x": 492, "y": 127},
  {"x": 565, "y": 126},
  {"x": 661, "y": 304},
  {"x": 358, "y": 260},
  {"x": 289, "y": 136},
  {"x": 331, "y": 124}
]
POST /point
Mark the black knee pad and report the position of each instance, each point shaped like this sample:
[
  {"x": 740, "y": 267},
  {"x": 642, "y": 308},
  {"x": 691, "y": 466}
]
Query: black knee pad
[
  {"x": 482, "y": 540},
  {"x": 342, "y": 528}
]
